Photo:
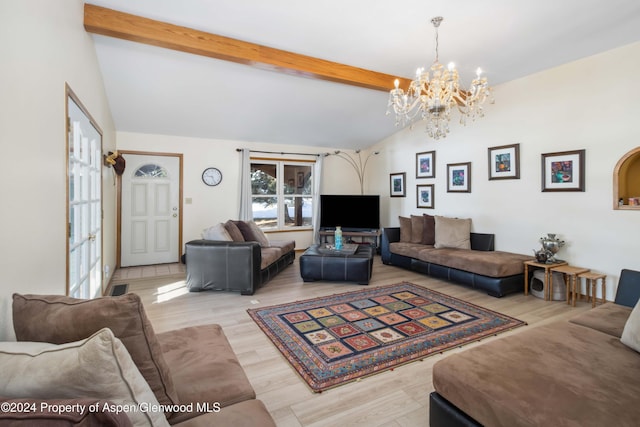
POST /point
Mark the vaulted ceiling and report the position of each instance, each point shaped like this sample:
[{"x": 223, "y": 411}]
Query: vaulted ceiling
[{"x": 313, "y": 73}]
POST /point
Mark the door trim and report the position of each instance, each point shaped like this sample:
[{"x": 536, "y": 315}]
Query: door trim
[{"x": 119, "y": 201}]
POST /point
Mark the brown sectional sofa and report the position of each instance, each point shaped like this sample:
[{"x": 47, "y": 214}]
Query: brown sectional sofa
[
  {"x": 191, "y": 374},
  {"x": 566, "y": 373},
  {"x": 467, "y": 258},
  {"x": 235, "y": 256}
]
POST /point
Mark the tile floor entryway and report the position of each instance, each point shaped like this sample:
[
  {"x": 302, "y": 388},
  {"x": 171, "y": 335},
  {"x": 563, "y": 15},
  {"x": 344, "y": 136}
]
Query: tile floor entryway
[{"x": 148, "y": 271}]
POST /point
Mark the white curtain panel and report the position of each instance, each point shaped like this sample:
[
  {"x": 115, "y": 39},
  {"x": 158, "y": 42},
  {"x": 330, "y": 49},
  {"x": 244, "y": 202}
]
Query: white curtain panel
[
  {"x": 317, "y": 184},
  {"x": 245, "y": 213}
]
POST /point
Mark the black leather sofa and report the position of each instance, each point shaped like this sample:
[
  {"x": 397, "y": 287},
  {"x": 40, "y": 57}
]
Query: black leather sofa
[
  {"x": 494, "y": 286},
  {"x": 234, "y": 266}
]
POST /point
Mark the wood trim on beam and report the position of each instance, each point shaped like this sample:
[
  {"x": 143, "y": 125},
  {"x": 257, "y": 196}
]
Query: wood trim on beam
[{"x": 112, "y": 23}]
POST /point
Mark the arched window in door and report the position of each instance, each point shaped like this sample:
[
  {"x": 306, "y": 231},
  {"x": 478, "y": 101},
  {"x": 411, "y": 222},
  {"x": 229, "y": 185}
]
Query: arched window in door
[{"x": 151, "y": 171}]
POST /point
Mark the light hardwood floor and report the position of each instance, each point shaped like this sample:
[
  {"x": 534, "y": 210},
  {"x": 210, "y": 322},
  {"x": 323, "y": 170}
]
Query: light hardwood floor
[{"x": 392, "y": 398}]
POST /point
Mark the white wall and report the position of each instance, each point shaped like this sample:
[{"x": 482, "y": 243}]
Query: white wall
[
  {"x": 590, "y": 104},
  {"x": 43, "y": 46},
  {"x": 211, "y": 205}
]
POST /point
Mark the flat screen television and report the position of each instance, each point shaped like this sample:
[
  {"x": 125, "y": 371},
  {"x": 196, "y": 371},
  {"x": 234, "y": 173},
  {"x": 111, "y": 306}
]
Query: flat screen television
[{"x": 350, "y": 212}]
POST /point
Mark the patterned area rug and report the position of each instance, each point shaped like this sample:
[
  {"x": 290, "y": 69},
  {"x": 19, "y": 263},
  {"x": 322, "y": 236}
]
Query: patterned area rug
[{"x": 340, "y": 338}]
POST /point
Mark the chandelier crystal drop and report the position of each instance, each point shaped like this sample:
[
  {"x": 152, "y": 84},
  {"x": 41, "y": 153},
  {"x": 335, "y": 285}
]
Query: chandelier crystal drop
[{"x": 434, "y": 93}]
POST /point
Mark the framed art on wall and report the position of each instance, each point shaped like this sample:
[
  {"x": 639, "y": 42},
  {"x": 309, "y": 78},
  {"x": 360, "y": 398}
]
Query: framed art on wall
[
  {"x": 397, "y": 183},
  {"x": 563, "y": 171},
  {"x": 426, "y": 164},
  {"x": 424, "y": 194},
  {"x": 459, "y": 177},
  {"x": 504, "y": 162}
]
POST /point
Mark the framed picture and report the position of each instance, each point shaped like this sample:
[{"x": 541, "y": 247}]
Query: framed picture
[
  {"x": 459, "y": 177},
  {"x": 300, "y": 176},
  {"x": 504, "y": 162},
  {"x": 424, "y": 193},
  {"x": 563, "y": 171},
  {"x": 397, "y": 181},
  {"x": 426, "y": 164}
]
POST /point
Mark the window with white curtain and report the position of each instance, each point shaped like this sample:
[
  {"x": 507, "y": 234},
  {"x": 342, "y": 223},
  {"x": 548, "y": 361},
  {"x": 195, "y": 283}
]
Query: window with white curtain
[{"x": 281, "y": 194}]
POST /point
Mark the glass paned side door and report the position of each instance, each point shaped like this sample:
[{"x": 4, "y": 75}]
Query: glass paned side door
[{"x": 84, "y": 274}]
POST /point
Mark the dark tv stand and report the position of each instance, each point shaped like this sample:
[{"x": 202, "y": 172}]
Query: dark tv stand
[{"x": 364, "y": 235}]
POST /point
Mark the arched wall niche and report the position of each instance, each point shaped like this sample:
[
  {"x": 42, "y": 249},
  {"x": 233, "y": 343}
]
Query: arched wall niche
[{"x": 626, "y": 181}]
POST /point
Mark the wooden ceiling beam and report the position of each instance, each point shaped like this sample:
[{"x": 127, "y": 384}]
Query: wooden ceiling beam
[{"x": 112, "y": 23}]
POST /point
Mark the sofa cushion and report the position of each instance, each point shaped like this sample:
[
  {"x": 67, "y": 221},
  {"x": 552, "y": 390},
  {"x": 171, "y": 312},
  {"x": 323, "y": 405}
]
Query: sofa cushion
[
  {"x": 559, "y": 374},
  {"x": 490, "y": 263},
  {"x": 59, "y": 319},
  {"x": 54, "y": 413},
  {"x": 285, "y": 245},
  {"x": 217, "y": 232},
  {"x": 411, "y": 250},
  {"x": 631, "y": 332},
  {"x": 269, "y": 256},
  {"x": 234, "y": 231},
  {"x": 429, "y": 230},
  {"x": 609, "y": 318},
  {"x": 417, "y": 228},
  {"x": 98, "y": 367},
  {"x": 405, "y": 229},
  {"x": 452, "y": 232},
  {"x": 204, "y": 367}
]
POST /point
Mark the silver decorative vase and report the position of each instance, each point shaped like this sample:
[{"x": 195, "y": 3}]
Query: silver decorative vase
[{"x": 552, "y": 244}]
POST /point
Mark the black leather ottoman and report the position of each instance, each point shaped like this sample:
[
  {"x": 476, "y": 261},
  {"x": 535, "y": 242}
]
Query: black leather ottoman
[{"x": 336, "y": 267}]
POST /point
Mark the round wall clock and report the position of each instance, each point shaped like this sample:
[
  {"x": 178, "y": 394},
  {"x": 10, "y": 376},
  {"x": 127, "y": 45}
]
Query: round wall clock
[{"x": 212, "y": 176}]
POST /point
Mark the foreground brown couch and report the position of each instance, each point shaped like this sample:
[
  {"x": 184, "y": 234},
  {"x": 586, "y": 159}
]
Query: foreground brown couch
[
  {"x": 187, "y": 377},
  {"x": 566, "y": 373}
]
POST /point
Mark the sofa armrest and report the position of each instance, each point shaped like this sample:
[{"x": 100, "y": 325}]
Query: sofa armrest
[
  {"x": 389, "y": 235},
  {"x": 483, "y": 241},
  {"x": 218, "y": 265}
]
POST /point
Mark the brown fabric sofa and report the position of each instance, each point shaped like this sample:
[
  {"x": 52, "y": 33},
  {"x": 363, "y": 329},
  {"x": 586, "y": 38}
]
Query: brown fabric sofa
[
  {"x": 192, "y": 374},
  {"x": 566, "y": 373},
  {"x": 461, "y": 256}
]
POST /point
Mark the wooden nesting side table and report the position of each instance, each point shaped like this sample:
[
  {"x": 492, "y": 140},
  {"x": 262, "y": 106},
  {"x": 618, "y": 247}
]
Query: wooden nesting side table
[
  {"x": 571, "y": 273},
  {"x": 592, "y": 280},
  {"x": 548, "y": 282}
]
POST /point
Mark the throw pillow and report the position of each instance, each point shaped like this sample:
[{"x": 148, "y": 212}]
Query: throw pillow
[
  {"x": 60, "y": 319},
  {"x": 452, "y": 232},
  {"x": 217, "y": 232},
  {"x": 417, "y": 227},
  {"x": 97, "y": 367},
  {"x": 631, "y": 332},
  {"x": 429, "y": 231},
  {"x": 259, "y": 235},
  {"x": 245, "y": 229},
  {"x": 405, "y": 229},
  {"x": 233, "y": 231}
]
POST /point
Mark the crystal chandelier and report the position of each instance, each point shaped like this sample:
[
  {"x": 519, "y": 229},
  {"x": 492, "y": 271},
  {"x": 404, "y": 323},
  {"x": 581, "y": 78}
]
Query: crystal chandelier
[{"x": 432, "y": 96}]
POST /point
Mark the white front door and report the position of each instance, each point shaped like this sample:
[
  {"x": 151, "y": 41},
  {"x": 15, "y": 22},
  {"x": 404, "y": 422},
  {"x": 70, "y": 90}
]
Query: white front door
[{"x": 150, "y": 209}]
